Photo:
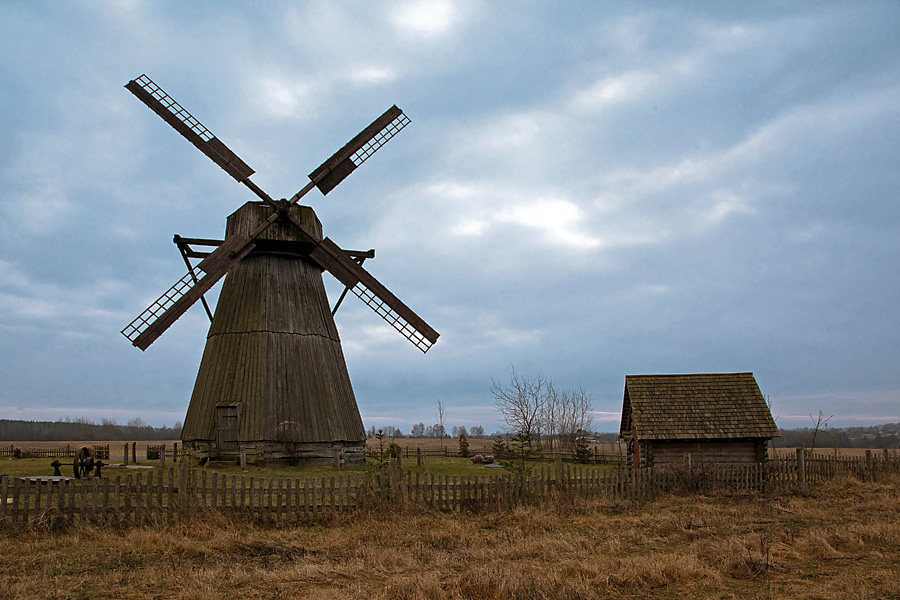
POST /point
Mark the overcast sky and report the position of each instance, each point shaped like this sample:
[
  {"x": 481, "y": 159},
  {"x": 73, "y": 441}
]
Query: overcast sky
[{"x": 587, "y": 190}]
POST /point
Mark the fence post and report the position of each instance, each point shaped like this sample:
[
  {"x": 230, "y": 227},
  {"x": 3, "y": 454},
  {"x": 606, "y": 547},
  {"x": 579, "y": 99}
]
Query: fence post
[
  {"x": 175, "y": 453},
  {"x": 4, "y": 491},
  {"x": 870, "y": 475},
  {"x": 162, "y": 457},
  {"x": 801, "y": 467},
  {"x": 183, "y": 485},
  {"x": 337, "y": 458},
  {"x": 134, "y": 452},
  {"x": 418, "y": 457},
  {"x": 243, "y": 459}
]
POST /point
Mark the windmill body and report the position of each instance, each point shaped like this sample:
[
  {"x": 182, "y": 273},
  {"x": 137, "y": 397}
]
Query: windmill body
[{"x": 273, "y": 382}]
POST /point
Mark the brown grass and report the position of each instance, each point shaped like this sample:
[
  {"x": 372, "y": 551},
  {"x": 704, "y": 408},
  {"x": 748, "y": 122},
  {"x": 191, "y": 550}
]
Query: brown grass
[{"x": 842, "y": 540}]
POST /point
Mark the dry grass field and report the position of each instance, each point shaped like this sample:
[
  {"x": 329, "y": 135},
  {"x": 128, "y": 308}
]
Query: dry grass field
[
  {"x": 849, "y": 452},
  {"x": 841, "y": 540}
]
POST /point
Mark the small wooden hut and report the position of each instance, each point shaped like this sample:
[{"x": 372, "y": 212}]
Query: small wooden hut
[{"x": 719, "y": 418}]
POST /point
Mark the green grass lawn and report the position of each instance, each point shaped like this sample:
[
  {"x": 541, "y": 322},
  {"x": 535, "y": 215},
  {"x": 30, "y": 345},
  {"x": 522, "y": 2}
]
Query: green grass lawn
[{"x": 463, "y": 467}]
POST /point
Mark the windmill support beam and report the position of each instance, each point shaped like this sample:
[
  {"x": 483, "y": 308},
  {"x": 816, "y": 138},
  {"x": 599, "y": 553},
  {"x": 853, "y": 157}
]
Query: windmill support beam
[
  {"x": 186, "y": 254},
  {"x": 360, "y": 258},
  {"x": 196, "y": 241}
]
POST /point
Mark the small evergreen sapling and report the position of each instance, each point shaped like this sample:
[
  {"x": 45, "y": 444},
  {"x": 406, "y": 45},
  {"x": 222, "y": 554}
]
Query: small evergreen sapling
[{"x": 463, "y": 445}]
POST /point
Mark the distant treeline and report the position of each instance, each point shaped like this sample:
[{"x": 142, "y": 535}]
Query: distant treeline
[
  {"x": 82, "y": 429},
  {"x": 876, "y": 436}
]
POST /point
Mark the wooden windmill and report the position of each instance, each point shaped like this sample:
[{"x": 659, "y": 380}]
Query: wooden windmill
[{"x": 273, "y": 381}]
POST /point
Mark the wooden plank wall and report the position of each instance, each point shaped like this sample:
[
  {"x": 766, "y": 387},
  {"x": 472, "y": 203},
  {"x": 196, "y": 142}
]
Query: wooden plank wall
[{"x": 718, "y": 452}]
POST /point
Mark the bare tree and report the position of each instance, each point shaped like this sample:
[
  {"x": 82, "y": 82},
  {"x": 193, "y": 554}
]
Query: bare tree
[
  {"x": 521, "y": 403},
  {"x": 440, "y": 423},
  {"x": 574, "y": 416},
  {"x": 534, "y": 408},
  {"x": 820, "y": 424},
  {"x": 553, "y": 406}
]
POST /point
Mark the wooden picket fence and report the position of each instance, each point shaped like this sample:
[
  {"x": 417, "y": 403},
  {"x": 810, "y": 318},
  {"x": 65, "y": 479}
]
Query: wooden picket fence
[
  {"x": 68, "y": 451},
  {"x": 155, "y": 451},
  {"x": 166, "y": 494}
]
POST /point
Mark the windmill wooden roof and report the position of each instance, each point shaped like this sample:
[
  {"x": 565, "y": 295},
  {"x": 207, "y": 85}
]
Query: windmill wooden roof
[{"x": 702, "y": 406}]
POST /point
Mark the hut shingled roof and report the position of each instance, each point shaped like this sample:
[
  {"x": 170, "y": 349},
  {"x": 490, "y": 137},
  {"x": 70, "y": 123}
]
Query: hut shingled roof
[{"x": 696, "y": 406}]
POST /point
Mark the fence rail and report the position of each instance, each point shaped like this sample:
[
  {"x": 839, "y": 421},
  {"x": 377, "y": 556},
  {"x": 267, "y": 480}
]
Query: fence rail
[
  {"x": 153, "y": 451},
  {"x": 68, "y": 451},
  {"x": 167, "y": 493}
]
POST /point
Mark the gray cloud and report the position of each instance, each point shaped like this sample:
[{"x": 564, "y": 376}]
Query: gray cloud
[{"x": 582, "y": 195}]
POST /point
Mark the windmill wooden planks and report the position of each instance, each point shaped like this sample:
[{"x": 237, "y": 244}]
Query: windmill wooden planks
[{"x": 273, "y": 348}]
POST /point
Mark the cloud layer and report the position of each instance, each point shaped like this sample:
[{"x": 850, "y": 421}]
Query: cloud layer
[{"x": 582, "y": 194}]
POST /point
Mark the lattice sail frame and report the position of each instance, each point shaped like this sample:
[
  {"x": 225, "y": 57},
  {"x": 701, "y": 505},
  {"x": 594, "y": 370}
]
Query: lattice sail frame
[
  {"x": 380, "y": 139},
  {"x": 173, "y": 107},
  {"x": 159, "y": 306},
  {"x": 188, "y": 126},
  {"x": 378, "y": 305}
]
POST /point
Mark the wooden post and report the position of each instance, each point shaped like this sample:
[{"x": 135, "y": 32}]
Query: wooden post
[
  {"x": 182, "y": 486},
  {"x": 801, "y": 467},
  {"x": 134, "y": 452},
  {"x": 869, "y": 474},
  {"x": 315, "y": 499},
  {"x": 4, "y": 491},
  {"x": 162, "y": 456},
  {"x": 392, "y": 474},
  {"x": 175, "y": 453},
  {"x": 418, "y": 457},
  {"x": 125, "y": 454},
  {"x": 243, "y": 459},
  {"x": 337, "y": 458}
]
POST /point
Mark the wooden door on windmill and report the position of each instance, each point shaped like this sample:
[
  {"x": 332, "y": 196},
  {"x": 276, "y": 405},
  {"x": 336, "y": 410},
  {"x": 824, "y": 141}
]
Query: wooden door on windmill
[{"x": 227, "y": 421}]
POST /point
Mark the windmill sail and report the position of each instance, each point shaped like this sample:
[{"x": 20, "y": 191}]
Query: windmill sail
[
  {"x": 162, "y": 313},
  {"x": 358, "y": 150},
  {"x": 184, "y": 123},
  {"x": 371, "y": 291}
]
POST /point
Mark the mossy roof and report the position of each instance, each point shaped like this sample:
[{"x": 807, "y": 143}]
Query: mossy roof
[{"x": 696, "y": 406}]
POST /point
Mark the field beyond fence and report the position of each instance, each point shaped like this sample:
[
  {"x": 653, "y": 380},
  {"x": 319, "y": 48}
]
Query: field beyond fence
[
  {"x": 67, "y": 451},
  {"x": 167, "y": 493}
]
